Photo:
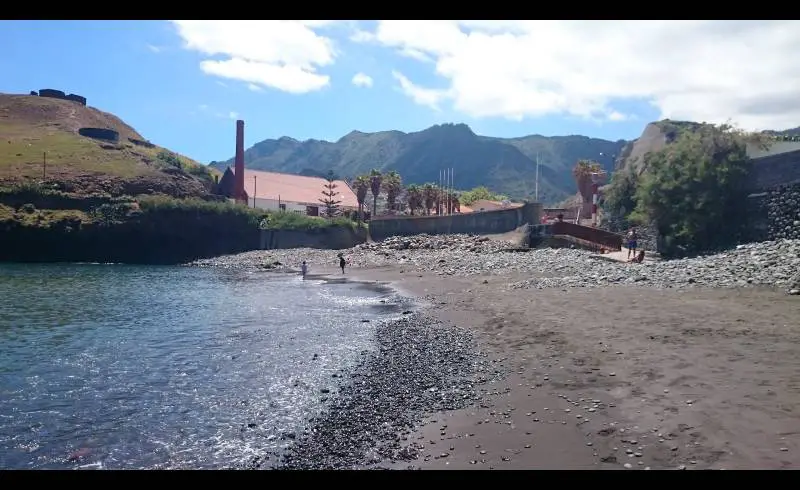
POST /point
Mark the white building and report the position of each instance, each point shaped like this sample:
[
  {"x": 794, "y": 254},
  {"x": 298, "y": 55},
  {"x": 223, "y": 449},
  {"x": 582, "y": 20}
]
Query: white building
[{"x": 288, "y": 192}]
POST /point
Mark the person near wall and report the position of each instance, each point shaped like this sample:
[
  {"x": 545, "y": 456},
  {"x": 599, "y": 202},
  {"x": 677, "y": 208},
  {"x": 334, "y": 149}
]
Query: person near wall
[
  {"x": 304, "y": 269},
  {"x": 342, "y": 262},
  {"x": 631, "y": 242}
]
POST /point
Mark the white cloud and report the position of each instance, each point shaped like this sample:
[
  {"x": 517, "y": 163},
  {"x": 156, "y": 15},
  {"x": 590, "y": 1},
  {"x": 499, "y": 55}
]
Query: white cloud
[
  {"x": 715, "y": 71},
  {"x": 362, "y": 80},
  {"x": 281, "y": 54},
  {"x": 617, "y": 116},
  {"x": 422, "y": 96},
  {"x": 233, "y": 115},
  {"x": 154, "y": 48},
  {"x": 254, "y": 87}
]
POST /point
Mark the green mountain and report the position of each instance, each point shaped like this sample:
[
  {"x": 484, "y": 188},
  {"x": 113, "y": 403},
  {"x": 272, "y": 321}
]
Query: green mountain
[{"x": 504, "y": 165}]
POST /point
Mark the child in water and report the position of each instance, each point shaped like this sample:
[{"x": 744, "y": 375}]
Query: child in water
[{"x": 304, "y": 269}]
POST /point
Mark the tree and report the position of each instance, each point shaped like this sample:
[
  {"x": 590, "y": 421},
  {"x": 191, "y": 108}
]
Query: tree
[
  {"x": 375, "y": 181},
  {"x": 393, "y": 185},
  {"x": 694, "y": 189},
  {"x": 430, "y": 195},
  {"x": 361, "y": 186},
  {"x": 620, "y": 197},
  {"x": 469, "y": 197},
  {"x": 454, "y": 206},
  {"x": 329, "y": 194},
  {"x": 415, "y": 198}
]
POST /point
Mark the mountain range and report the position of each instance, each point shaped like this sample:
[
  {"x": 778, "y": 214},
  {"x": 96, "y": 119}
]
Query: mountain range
[{"x": 504, "y": 165}]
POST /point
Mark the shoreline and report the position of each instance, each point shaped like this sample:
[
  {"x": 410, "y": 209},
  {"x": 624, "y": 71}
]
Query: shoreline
[{"x": 613, "y": 377}]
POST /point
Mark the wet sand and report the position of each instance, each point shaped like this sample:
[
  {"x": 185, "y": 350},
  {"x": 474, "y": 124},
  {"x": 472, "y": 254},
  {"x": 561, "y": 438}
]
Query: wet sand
[{"x": 617, "y": 377}]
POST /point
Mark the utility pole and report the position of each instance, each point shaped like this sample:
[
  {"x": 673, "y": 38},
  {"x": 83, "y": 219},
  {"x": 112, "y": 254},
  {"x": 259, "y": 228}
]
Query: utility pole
[
  {"x": 537, "y": 176},
  {"x": 254, "y": 190}
]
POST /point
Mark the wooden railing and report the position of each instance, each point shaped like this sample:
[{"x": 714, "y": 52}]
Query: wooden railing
[{"x": 607, "y": 239}]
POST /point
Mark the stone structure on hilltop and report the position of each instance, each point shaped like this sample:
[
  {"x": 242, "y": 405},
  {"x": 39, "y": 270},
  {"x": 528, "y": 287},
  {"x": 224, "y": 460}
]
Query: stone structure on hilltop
[{"x": 58, "y": 94}]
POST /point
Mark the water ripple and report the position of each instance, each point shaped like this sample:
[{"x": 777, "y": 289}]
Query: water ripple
[{"x": 166, "y": 367}]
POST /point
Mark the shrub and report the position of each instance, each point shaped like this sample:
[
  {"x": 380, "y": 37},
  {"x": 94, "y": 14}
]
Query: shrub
[{"x": 694, "y": 189}]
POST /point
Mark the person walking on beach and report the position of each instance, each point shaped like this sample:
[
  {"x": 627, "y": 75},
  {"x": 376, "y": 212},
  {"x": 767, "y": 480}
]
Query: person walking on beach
[
  {"x": 304, "y": 269},
  {"x": 632, "y": 243},
  {"x": 342, "y": 262}
]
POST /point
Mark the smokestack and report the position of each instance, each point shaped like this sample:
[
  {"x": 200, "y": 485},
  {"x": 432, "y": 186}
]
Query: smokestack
[{"x": 238, "y": 168}]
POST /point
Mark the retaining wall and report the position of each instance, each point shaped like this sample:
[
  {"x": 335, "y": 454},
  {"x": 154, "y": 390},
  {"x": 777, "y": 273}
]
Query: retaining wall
[
  {"x": 100, "y": 134},
  {"x": 58, "y": 94},
  {"x": 479, "y": 222},
  {"x": 335, "y": 238}
]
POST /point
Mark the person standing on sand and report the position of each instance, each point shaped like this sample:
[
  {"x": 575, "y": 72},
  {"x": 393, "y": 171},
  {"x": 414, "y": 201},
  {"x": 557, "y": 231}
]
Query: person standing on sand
[
  {"x": 304, "y": 269},
  {"x": 632, "y": 243},
  {"x": 342, "y": 262}
]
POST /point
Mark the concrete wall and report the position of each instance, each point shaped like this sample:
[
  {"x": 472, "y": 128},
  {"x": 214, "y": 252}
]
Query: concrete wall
[
  {"x": 775, "y": 148},
  {"x": 775, "y": 170},
  {"x": 100, "y": 134},
  {"x": 58, "y": 94},
  {"x": 335, "y": 238},
  {"x": 485, "y": 222}
]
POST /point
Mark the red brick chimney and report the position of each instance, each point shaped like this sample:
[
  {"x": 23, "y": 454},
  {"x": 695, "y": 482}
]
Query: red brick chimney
[{"x": 238, "y": 168}]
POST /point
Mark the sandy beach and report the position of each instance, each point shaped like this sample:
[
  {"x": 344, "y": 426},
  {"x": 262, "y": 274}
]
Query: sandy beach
[
  {"x": 681, "y": 365},
  {"x": 617, "y": 377}
]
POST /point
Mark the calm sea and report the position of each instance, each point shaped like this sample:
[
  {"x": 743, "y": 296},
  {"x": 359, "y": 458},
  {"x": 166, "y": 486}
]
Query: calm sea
[{"x": 111, "y": 366}]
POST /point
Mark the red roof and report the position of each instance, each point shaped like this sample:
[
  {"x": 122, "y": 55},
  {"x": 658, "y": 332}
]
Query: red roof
[{"x": 294, "y": 188}]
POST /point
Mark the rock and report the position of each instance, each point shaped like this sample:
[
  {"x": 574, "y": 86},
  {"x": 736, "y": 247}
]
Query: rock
[{"x": 419, "y": 366}]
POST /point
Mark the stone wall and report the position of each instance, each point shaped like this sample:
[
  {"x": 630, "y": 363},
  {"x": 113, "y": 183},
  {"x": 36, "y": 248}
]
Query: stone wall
[
  {"x": 774, "y": 214},
  {"x": 336, "y": 238},
  {"x": 58, "y": 94},
  {"x": 480, "y": 222},
  {"x": 100, "y": 134}
]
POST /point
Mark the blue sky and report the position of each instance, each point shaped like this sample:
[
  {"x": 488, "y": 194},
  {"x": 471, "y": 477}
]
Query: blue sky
[{"x": 179, "y": 85}]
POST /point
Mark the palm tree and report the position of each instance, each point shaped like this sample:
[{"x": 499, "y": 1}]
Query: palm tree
[
  {"x": 393, "y": 185},
  {"x": 361, "y": 186},
  {"x": 455, "y": 203},
  {"x": 375, "y": 181},
  {"x": 429, "y": 194},
  {"x": 582, "y": 172},
  {"x": 415, "y": 198}
]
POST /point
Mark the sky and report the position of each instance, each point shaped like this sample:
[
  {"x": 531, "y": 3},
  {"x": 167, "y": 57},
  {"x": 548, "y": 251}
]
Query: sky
[{"x": 181, "y": 84}]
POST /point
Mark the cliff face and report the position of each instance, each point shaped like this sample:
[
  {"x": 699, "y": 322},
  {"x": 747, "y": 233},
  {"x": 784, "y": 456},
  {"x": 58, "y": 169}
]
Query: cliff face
[{"x": 655, "y": 137}]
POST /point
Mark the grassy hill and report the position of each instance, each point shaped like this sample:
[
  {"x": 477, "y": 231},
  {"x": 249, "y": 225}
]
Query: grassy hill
[
  {"x": 32, "y": 126},
  {"x": 505, "y": 165}
]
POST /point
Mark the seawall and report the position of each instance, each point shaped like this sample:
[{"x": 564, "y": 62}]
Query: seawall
[
  {"x": 335, "y": 238},
  {"x": 480, "y": 222}
]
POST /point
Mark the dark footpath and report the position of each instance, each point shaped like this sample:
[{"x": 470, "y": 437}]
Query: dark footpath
[{"x": 420, "y": 367}]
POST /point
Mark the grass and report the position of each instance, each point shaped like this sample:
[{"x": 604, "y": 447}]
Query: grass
[
  {"x": 300, "y": 222},
  {"x": 42, "y": 218},
  {"x": 34, "y": 126}
]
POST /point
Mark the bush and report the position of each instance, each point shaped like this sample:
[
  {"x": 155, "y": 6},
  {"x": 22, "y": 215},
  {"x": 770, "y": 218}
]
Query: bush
[
  {"x": 300, "y": 222},
  {"x": 694, "y": 190}
]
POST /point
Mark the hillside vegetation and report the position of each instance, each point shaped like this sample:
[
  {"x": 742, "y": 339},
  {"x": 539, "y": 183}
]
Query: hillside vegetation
[
  {"x": 504, "y": 165},
  {"x": 692, "y": 188},
  {"x": 100, "y": 201},
  {"x": 39, "y": 140}
]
